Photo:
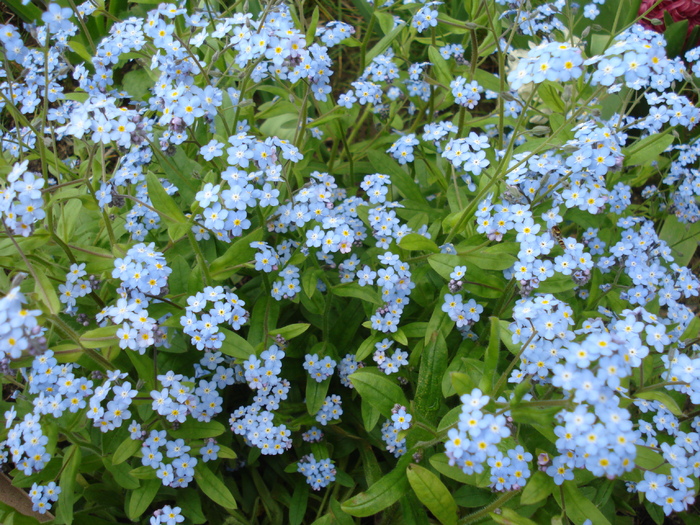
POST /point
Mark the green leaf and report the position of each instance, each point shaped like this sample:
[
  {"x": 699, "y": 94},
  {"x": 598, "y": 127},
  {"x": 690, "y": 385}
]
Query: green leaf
[
  {"x": 578, "y": 507},
  {"x": 297, "y": 507},
  {"x": 70, "y": 213},
  {"x": 539, "y": 417},
  {"x": 661, "y": 397},
  {"x": 100, "y": 337},
  {"x": 382, "y": 494},
  {"x": 551, "y": 96},
  {"x": 142, "y": 497},
  {"x": 440, "y": 67},
  {"x": 416, "y": 242},
  {"x": 488, "y": 80},
  {"x": 378, "y": 389},
  {"x": 647, "y": 149},
  {"x": 235, "y": 346},
  {"x": 681, "y": 238},
  {"x": 498, "y": 257},
  {"x": 291, "y": 330},
  {"x": 510, "y": 517},
  {"x": 433, "y": 364},
  {"x": 193, "y": 429},
  {"x": 367, "y": 346},
  {"x": 491, "y": 357},
  {"x": 162, "y": 202},
  {"x": 125, "y": 450},
  {"x": 538, "y": 488},
  {"x": 365, "y": 293},
  {"x": 370, "y": 415},
  {"x": 213, "y": 487},
  {"x": 433, "y": 493},
  {"x": 240, "y": 252},
  {"x": 383, "y": 44},
  {"x": 47, "y": 295},
  {"x": 66, "y": 499},
  {"x": 399, "y": 178},
  {"x": 440, "y": 462},
  {"x": 315, "y": 394},
  {"x": 122, "y": 474},
  {"x": 311, "y": 32}
]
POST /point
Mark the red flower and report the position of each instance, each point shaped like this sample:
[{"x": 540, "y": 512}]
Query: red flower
[{"x": 678, "y": 9}]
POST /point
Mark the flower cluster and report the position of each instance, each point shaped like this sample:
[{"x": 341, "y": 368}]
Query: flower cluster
[
  {"x": 255, "y": 422},
  {"x": 393, "y": 430},
  {"x": 44, "y": 496},
  {"x": 167, "y": 516},
  {"x": 553, "y": 61},
  {"x": 348, "y": 365},
  {"x": 474, "y": 444},
  {"x": 75, "y": 287},
  {"x": 319, "y": 369},
  {"x": 21, "y": 201},
  {"x": 330, "y": 410},
  {"x": 143, "y": 273},
  {"x": 206, "y": 311},
  {"x": 319, "y": 473},
  {"x": 466, "y": 94},
  {"x": 19, "y": 329},
  {"x": 392, "y": 364}
]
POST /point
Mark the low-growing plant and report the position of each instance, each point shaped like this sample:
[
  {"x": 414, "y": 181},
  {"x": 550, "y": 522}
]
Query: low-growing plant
[{"x": 272, "y": 262}]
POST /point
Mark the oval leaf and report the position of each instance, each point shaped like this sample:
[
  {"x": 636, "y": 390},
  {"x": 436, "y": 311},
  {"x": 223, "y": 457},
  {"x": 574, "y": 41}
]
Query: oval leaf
[
  {"x": 213, "y": 487},
  {"x": 379, "y": 496},
  {"x": 433, "y": 493}
]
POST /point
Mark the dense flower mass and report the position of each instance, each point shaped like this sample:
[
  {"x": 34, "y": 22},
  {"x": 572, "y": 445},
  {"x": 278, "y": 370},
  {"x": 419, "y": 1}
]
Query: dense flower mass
[{"x": 223, "y": 263}]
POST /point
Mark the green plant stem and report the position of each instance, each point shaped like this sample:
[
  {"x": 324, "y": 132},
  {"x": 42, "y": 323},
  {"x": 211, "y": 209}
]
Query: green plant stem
[
  {"x": 504, "y": 376},
  {"x": 483, "y": 513},
  {"x": 68, "y": 331},
  {"x": 200, "y": 257}
]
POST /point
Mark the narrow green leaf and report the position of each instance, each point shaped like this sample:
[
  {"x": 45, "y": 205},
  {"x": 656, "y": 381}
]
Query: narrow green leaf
[
  {"x": 378, "y": 389},
  {"x": 510, "y": 517},
  {"x": 193, "y": 429},
  {"x": 291, "y": 331},
  {"x": 47, "y": 295},
  {"x": 297, "y": 508},
  {"x": 125, "y": 450},
  {"x": 235, "y": 346},
  {"x": 239, "y": 252},
  {"x": 100, "y": 337},
  {"x": 315, "y": 394},
  {"x": 311, "y": 32},
  {"x": 382, "y": 494},
  {"x": 364, "y": 293},
  {"x": 440, "y": 67},
  {"x": 647, "y": 149},
  {"x": 66, "y": 499},
  {"x": 682, "y": 238},
  {"x": 539, "y": 487},
  {"x": 367, "y": 346},
  {"x": 383, "y": 44},
  {"x": 661, "y": 397},
  {"x": 433, "y": 364},
  {"x": 416, "y": 242},
  {"x": 440, "y": 462},
  {"x": 433, "y": 493},
  {"x": 162, "y": 202},
  {"x": 142, "y": 497},
  {"x": 491, "y": 358},
  {"x": 384, "y": 164},
  {"x": 578, "y": 507},
  {"x": 370, "y": 415},
  {"x": 213, "y": 487}
]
